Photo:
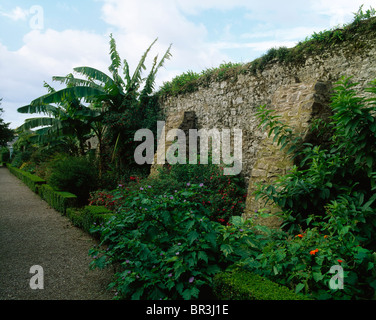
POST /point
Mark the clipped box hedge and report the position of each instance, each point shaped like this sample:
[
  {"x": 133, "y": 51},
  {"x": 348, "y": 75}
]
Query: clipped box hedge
[
  {"x": 244, "y": 285},
  {"x": 31, "y": 180},
  {"x": 86, "y": 217},
  {"x": 59, "y": 200}
]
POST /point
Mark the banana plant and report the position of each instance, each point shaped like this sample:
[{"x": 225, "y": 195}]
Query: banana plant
[
  {"x": 97, "y": 103},
  {"x": 121, "y": 99},
  {"x": 65, "y": 115}
]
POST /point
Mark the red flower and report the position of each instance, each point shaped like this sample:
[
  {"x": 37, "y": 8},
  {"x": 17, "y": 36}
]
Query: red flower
[
  {"x": 132, "y": 178},
  {"x": 313, "y": 252},
  {"x": 340, "y": 261}
]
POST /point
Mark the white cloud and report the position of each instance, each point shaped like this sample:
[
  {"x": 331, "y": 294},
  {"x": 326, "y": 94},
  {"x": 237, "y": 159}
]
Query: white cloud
[
  {"x": 138, "y": 23},
  {"x": 260, "y": 25},
  {"x": 340, "y": 11},
  {"x": 44, "y": 55},
  {"x": 16, "y": 14}
]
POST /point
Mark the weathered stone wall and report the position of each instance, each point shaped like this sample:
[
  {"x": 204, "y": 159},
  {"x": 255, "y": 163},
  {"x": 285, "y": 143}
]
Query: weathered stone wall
[{"x": 297, "y": 92}]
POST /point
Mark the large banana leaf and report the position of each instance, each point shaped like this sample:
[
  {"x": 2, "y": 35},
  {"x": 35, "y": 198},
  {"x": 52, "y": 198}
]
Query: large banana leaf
[
  {"x": 150, "y": 80},
  {"x": 39, "y": 108},
  {"x": 69, "y": 81},
  {"x": 137, "y": 75},
  {"x": 94, "y": 74},
  {"x": 39, "y": 122},
  {"x": 87, "y": 93}
]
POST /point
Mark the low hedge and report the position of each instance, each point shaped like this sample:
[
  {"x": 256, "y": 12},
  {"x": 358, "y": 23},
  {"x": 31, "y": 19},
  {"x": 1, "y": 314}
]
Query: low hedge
[
  {"x": 31, "y": 180},
  {"x": 86, "y": 217},
  {"x": 244, "y": 285},
  {"x": 59, "y": 200}
]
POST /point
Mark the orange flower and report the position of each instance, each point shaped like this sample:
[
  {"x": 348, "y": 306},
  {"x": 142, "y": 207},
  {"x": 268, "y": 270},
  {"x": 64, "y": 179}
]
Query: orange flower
[
  {"x": 313, "y": 252},
  {"x": 299, "y": 235},
  {"x": 325, "y": 236}
]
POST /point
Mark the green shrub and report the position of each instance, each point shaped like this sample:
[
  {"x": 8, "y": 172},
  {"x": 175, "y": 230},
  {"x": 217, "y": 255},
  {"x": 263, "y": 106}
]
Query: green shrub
[
  {"x": 223, "y": 196},
  {"x": 89, "y": 216},
  {"x": 31, "y": 180},
  {"x": 328, "y": 202},
  {"x": 242, "y": 285},
  {"x": 77, "y": 175},
  {"x": 59, "y": 200},
  {"x": 184, "y": 83},
  {"x": 75, "y": 215},
  {"x": 19, "y": 158},
  {"x": 4, "y": 155},
  {"x": 165, "y": 243}
]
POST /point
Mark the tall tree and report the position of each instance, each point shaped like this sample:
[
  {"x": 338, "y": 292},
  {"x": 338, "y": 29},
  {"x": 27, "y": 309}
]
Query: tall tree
[
  {"x": 125, "y": 100},
  {"x": 66, "y": 116},
  {"x": 6, "y": 134}
]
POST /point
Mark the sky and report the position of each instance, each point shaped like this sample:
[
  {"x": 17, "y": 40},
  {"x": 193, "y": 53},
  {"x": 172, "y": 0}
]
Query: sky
[{"x": 40, "y": 39}]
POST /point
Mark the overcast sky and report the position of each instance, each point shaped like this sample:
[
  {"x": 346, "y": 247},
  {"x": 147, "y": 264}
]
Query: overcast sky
[{"x": 40, "y": 39}]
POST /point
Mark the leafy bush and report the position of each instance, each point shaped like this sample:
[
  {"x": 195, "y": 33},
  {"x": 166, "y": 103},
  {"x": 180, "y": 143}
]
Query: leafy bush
[
  {"x": 59, "y": 200},
  {"x": 77, "y": 175},
  {"x": 102, "y": 198},
  {"x": 31, "y": 180},
  {"x": 166, "y": 246},
  {"x": 222, "y": 197},
  {"x": 183, "y": 83},
  {"x": 4, "y": 155},
  {"x": 328, "y": 203},
  {"x": 241, "y": 285},
  {"x": 86, "y": 217}
]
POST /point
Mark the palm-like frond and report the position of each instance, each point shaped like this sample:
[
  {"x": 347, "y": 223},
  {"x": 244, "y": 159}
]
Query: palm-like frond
[
  {"x": 39, "y": 122},
  {"x": 126, "y": 71},
  {"x": 115, "y": 58},
  {"x": 137, "y": 75},
  {"x": 39, "y": 108},
  {"x": 94, "y": 74},
  {"x": 48, "y": 87},
  {"x": 115, "y": 63},
  {"x": 82, "y": 92},
  {"x": 150, "y": 80},
  {"x": 70, "y": 82}
]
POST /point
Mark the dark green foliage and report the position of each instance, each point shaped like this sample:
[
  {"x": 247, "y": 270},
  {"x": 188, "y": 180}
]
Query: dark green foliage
[
  {"x": 183, "y": 83},
  {"x": 6, "y": 134},
  {"x": 88, "y": 216},
  {"x": 166, "y": 246},
  {"x": 4, "y": 155},
  {"x": 222, "y": 197},
  {"x": 77, "y": 175},
  {"x": 330, "y": 192},
  {"x": 59, "y": 200},
  {"x": 31, "y": 180},
  {"x": 242, "y": 285}
]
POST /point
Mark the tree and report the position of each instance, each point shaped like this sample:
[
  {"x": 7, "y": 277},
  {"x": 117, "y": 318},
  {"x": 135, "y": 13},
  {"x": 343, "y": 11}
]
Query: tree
[
  {"x": 110, "y": 108},
  {"x": 6, "y": 134},
  {"x": 69, "y": 117},
  {"x": 126, "y": 106}
]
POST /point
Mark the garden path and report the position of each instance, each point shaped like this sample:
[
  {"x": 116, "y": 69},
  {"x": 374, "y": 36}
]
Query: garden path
[{"x": 32, "y": 233}]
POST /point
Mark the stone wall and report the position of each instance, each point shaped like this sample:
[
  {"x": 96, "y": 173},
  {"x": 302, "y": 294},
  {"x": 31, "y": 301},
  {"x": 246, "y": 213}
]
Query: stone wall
[{"x": 297, "y": 92}]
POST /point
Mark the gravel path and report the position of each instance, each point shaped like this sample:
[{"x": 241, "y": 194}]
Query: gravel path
[{"x": 32, "y": 233}]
